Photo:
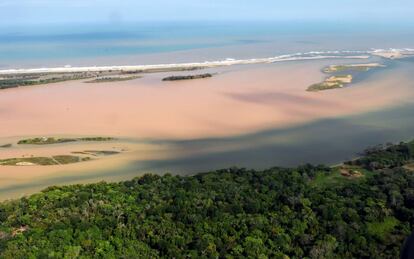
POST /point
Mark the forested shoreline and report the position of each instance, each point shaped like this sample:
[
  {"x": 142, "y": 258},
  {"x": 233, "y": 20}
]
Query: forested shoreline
[{"x": 362, "y": 209}]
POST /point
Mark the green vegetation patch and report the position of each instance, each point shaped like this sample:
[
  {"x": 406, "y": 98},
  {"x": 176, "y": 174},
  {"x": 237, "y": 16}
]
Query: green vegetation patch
[
  {"x": 381, "y": 229},
  {"x": 358, "y": 68},
  {"x": 342, "y": 68},
  {"x": 6, "y": 146},
  {"x": 324, "y": 179}
]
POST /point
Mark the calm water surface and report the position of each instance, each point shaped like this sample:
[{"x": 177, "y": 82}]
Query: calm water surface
[{"x": 144, "y": 43}]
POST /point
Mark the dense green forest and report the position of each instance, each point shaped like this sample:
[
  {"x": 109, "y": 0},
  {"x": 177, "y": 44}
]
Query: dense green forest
[{"x": 362, "y": 209}]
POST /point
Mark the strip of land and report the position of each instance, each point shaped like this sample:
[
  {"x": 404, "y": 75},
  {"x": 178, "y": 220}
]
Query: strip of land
[
  {"x": 48, "y": 76},
  {"x": 189, "y": 77},
  {"x": 112, "y": 79},
  {"x": 185, "y": 66},
  {"x": 51, "y": 140},
  {"x": 16, "y": 80},
  {"x": 351, "y": 67}
]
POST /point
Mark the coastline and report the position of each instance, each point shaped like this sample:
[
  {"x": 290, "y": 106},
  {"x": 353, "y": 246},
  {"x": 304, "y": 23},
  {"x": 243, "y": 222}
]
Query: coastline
[
  {"x": 311, "y": 55},
  {"x": 167, "y": 67}
]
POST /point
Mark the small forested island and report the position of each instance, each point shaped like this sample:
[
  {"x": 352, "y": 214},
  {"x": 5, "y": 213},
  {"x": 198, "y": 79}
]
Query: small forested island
[
  {"x": 361, "y": 209},
  {"x": 332, "y": 82},
  {"x": 189, "y": 77},
  {"x": 341, "y": 80}
]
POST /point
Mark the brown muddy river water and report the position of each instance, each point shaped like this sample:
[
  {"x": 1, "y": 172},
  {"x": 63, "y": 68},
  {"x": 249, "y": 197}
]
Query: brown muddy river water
[{"x": 248, "y": 116}]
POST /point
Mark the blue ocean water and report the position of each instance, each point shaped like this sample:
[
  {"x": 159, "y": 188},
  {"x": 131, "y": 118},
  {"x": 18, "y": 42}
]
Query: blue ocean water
[{"x": 68, "y": 44}]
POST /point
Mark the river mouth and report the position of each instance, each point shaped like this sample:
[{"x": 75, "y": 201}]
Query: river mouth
[{"x": 244, "y": 116}]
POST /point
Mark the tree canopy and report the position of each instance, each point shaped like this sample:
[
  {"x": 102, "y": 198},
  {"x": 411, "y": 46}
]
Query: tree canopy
[{"x": 304, "y": 212}]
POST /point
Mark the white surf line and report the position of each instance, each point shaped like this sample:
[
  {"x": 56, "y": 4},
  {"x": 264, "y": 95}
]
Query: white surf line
[
  {"x": 207, "y": 64},
  {"x": 312, "y": 55}
]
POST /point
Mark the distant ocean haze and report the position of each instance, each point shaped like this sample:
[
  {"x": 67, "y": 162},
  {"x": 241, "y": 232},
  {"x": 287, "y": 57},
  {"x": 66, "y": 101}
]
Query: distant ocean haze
[{"x": 132, "y": 44}]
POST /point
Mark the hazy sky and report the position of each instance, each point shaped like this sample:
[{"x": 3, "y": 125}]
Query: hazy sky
[{"x": 80, "y": 11}]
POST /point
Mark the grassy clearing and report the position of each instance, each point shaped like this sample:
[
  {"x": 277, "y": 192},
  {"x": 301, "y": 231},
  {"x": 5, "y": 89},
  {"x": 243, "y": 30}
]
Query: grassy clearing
[{"x": 337, "y": 176}]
